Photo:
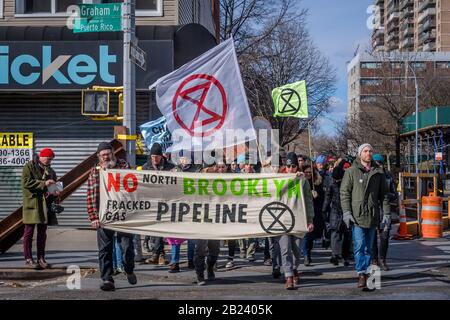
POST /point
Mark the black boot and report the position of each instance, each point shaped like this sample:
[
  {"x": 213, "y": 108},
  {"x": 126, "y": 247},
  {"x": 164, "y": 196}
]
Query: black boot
[
  {"x": 210, "y": 271},
  {"x": 383, "y": 265},
  {"x": 334, "y": 261}
]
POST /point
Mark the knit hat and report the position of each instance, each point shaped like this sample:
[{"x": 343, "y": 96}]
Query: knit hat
[
  {"x": 321, "y": 159},
  {"x": 156, "y": 150},
  {"x": 47, "y": 152},
  {"x": 104, "y": 146},
  {"x": 361, "y": 148},
  {"x": 291, "y": 159}
]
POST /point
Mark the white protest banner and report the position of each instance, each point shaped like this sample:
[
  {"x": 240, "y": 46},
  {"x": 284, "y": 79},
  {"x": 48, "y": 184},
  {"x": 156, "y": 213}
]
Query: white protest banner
[
  {"x": 204, "y": 102},
  {"x": 204, "y": 206}
]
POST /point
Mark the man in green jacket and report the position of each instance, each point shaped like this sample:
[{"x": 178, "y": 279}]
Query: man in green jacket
[
  {"x": 363, "y": 192},
  {"x": 37, "y": 176}
]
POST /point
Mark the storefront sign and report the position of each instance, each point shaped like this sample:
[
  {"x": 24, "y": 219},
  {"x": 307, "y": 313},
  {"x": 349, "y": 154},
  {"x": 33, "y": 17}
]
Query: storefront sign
[
  {"x": 15, "y": 149},
  {"x": 74, "y": 65}
]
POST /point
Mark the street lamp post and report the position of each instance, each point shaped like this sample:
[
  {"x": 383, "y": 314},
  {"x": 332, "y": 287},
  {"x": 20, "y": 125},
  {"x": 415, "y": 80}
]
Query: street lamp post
[{"x": 416, "y": 153}]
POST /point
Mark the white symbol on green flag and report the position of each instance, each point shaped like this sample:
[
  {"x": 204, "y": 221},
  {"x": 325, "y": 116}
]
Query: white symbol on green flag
[{"x": 291, "y": 100}]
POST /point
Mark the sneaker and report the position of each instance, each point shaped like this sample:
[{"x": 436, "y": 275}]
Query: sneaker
[
  {"x": 268, "y": 262},
  {"x": 32, "y": 265},
  {"x": 44, "y": 264},
  {"x": 276, "y": 273},
  {"x": 131, "y": 278},
  {"x": 242, "y": 255},
  {"x": 375, "y": 262},
  {"x": 153, "y": 260},
  {"x": 174, "y": 268},
  {"x": 296, "y": 277},
  {"x": 162, "y": 260},
  {"x": 107, "y": 286},
  {"x": 230, "y": 264},
  {"x": 307, "y": 261},
  {"x": 191, "y": 265},
  {"x": 199, "y": 280}
]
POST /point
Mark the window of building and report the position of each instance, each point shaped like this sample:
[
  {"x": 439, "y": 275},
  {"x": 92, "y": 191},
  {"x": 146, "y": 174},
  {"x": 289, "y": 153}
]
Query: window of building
[
  {"x": 46, "y": 7},
  {"x": 443, "y": 65},
  {"x": 368, "y": 99},
  {"x": 371, "y": 65},
  {"x": 396, "y": 65},
  {"x": 370, "y": 82},
  {"x": 145, "y": 8},
  {"x": 59, "y": 7},
  {"x": 418, "y": 65},
  {"x": 1, "y": 9}
]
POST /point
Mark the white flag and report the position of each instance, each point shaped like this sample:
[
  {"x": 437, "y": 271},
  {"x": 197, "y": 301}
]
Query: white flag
[{"x": 204, "y": 102}]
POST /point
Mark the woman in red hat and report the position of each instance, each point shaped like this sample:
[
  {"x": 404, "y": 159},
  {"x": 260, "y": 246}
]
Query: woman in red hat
[{"x": 37, "y": 177}]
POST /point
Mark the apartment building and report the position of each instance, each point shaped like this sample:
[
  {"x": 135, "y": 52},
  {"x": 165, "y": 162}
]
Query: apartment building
[
  {"x": 367, "y": 73},
  {"x": 412, "y": 25},
  {"x": 33, "y": 35}
]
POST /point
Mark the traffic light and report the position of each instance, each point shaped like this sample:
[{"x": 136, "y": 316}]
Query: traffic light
[{"x": 95, "y": 103}]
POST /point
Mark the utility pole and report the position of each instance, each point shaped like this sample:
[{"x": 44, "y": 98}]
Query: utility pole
[
  {"x": 129, "y": 84},
  {"x": 416, "y": 151}
]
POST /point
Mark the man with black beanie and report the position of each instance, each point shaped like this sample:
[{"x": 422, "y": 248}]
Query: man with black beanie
[
  {"x": 105, "y": 238},
  {"x": 157, "y": 162}
]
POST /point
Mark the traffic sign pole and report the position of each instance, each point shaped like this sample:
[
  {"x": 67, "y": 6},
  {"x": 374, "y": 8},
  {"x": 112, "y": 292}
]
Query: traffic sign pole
[{"x": 129, "y": 85}]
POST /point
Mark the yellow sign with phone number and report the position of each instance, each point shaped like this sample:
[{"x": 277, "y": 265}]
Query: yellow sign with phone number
[{"x": 16, "y": 140}]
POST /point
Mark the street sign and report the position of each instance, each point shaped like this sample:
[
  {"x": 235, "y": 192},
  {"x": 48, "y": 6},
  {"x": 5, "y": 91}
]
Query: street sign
[
  {"x": 138, "y": 56},
  {"x": 99, "y": 18}
]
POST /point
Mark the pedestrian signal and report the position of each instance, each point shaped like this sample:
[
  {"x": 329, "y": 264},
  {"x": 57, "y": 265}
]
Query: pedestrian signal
[{"x": 95, "y": 103}]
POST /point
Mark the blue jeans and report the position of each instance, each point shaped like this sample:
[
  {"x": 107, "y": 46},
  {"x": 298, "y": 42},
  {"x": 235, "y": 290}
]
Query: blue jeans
[
  {"x": 308, "y": 244},
  {"x": 117, "y": 254},
  {"x": 191, "y": 250},
  {"x": 175, "y": 254},
  {"x": 362, "y": 247}
]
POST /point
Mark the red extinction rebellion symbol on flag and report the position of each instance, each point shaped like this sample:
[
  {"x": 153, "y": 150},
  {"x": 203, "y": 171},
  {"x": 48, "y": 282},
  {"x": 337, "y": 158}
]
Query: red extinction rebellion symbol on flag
[{"x": 200, "y": 103}]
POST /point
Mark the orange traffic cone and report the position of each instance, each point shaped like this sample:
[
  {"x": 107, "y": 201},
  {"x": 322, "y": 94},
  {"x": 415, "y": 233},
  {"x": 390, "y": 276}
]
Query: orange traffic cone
[{"x": 402, "y": 233}]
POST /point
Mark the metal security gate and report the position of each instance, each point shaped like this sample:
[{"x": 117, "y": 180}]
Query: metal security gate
[{"x": 56, "y": 122}]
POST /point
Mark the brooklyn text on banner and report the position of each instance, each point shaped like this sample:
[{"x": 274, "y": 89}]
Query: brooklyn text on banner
[{"x": 204, "y": 206}]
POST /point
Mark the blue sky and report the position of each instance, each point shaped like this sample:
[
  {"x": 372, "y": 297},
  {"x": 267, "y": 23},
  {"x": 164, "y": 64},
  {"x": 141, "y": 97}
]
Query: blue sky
[{"x": 337, "y": 27}]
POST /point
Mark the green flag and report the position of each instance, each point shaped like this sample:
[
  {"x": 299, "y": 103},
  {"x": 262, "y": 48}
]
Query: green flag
[{"x": 291, "y": 100}]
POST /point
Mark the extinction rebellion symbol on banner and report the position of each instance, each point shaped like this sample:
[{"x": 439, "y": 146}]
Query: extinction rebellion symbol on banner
[{"x": 276, "y": 211}]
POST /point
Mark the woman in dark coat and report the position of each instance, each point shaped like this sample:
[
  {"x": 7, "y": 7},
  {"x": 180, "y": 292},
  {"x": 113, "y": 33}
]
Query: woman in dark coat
[
  {"x": 37, "y": 177},
  {"x": 332, "y": 215},
  {"x": 316, "y": 185}
]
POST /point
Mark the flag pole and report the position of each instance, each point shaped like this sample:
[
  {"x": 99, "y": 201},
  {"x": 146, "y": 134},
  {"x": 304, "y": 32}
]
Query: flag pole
[{"x": 310, "y": 153}]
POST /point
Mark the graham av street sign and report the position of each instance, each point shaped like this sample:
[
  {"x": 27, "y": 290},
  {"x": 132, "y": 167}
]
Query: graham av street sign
[{"x": 98, "y": 18}]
